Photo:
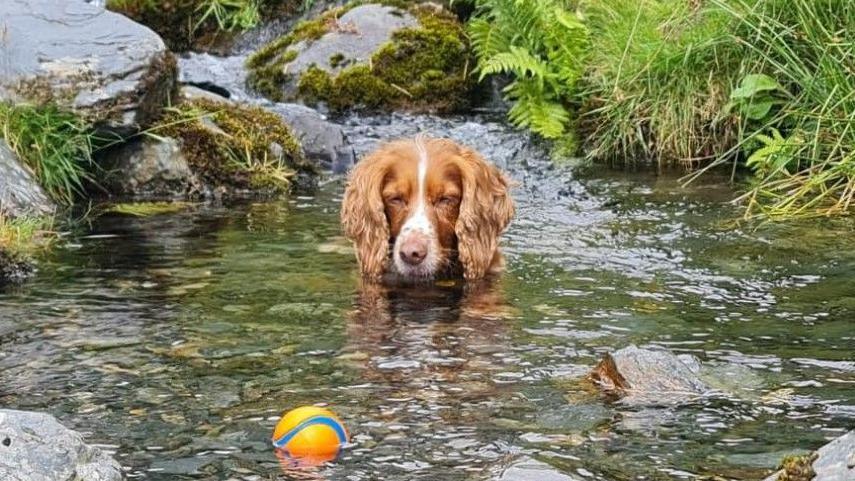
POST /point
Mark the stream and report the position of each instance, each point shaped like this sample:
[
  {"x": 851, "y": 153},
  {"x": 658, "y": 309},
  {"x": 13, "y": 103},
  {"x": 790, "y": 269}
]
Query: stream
[{"x": 176, "y": 341}]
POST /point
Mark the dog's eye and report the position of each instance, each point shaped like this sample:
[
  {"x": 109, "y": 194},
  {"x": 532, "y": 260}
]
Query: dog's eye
[
  {"x": 446, "y": 201},
  {"x": 397, "y": 201}
]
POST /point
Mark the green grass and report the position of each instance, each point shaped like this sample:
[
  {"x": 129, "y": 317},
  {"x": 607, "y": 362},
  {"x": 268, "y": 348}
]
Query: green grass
[
  {"x": 57, "y": 145},
  {"x": 659, "y": 75},
  {"x": 25, "y": 236},
  {"x": 803, "y": 151}
]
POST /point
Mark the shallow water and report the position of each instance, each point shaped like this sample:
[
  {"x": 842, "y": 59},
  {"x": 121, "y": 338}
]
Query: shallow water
[{"x": 177, "y": 340}]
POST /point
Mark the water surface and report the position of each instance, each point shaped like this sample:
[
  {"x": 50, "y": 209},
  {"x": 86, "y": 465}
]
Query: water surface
[{"x": 177, "y": 340}]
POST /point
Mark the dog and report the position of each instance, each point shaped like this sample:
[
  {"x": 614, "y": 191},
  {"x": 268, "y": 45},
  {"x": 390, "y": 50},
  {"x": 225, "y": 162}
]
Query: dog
[{"x": 426, "y": 208}]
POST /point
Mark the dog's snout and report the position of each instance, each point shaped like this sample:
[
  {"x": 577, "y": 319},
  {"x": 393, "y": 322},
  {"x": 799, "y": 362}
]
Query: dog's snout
[{"x": 414, "y": 250}]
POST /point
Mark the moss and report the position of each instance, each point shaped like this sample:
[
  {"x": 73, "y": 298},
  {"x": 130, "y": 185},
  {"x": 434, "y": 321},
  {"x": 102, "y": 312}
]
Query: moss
[
  {"x": 797, "y": 468},
  {"x": 241, "y": 148},
  {"x": 147, "y": 209},
  {"x": 424, "y": 68}
]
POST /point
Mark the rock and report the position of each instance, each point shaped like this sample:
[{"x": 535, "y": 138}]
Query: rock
[
  {"x": 356, "y": 36},
  {"x": 225, "y": 76},
  {"x": 149, "y": 167},
  {"x": 323, "y": 141},
  {"x": 528, "y": 469},
  {"x": 36, "y": 447},
  {"x": 13, "y": 269},
  {"x": 648, "y": 377},
  {"x": 20, "y": 193},
  {"x": 369, "y": 56},
  {"x": 189, "y": 92},
  {"x": 114, "y": 72},
  {"x": 833, "y": 462}
]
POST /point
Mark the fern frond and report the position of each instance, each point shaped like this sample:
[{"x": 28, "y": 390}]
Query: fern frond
[{"x": 517, "y": 61}]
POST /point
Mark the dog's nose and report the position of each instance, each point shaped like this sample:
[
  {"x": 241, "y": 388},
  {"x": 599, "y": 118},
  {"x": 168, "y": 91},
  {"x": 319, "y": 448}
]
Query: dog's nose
[{"x": 413, "y": 251}]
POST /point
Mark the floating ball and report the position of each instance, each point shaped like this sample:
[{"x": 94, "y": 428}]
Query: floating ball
[{"x": 310, "y": 432}]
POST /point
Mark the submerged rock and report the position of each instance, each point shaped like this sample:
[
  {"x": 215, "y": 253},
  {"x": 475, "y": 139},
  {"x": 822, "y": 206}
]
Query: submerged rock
[
  {"x": 36, "y": 447},
  {"x": 13, "y": 269},
  {"x": 528, "y": 469},
  {"x": 115, "y": 73},
  {"x": 646, "y": 376},
  {"x": 833, "y": 462},
  {"x": 149, "y": 167},
  {"x": 20, "y": 193},
  {"x": 371, "y": 56}
]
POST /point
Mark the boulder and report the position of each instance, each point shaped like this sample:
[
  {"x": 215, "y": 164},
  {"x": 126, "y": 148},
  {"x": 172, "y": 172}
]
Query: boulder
[
  {"x": 833, "y": 462},
  {"x": 149, "y": 167},
  {"x": 369, "y": 56},
  {"x": 353, "y": 39},
  {"x": 115, "y": 73},
  {"x": 36, "y": 447},
  {"x": 20, "y": 193},
  {"x": 646, "y": 376},
  {"x": 323, "y": 141}
]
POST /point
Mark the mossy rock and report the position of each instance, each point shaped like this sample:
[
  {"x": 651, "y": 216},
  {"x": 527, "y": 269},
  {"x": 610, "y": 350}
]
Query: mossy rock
[
  {"x": 377, "y": 56},
  {"x": 239, "y": 149}
]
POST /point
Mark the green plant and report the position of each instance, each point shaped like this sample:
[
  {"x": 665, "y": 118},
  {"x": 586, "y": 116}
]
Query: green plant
[
  {"x": 658, "y": 78},
  {"x": 806, "y": 167},
  {"x": 57, "y": 145},
  {"x": 542, "y": 46}
]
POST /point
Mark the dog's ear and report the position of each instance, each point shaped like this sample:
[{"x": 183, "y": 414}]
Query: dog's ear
[
  {"x": 485, "y": 212},
  {"x": 363, "y": 215}
]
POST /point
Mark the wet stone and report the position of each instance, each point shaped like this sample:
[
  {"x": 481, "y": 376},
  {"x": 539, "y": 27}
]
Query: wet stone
[{"x": 528, "y": 469}]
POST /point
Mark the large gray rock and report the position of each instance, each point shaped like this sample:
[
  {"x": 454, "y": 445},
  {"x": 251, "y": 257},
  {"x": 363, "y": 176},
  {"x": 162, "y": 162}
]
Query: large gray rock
[
  {"x": 225, "y": 76},
  {"x": 36, "y": 447},
  {"x": 20, "y": 193},
  {"x": 833, "y": 462},
  {"x": 356, "y": 36},
  {"x": 646, "y": 376},
  {"x": 149, "y": 167},
  {"x": 115, "y": 72},
  {"x": 323, "y": 141}
]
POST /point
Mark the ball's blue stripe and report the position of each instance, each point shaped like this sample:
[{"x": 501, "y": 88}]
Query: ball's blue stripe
[{"x": 323, "y": 420}]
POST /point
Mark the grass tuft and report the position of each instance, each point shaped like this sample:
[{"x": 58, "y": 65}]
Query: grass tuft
[{"x": 57, "y": 145}]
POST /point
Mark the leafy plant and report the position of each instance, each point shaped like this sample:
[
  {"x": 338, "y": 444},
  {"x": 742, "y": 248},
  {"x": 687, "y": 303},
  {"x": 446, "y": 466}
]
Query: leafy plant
[
  {"x": 755, "y": 96},
  {"x": 542, "y": 46},
  {"x": 24, "y": 236},
  {"x": 57, "y": 145}
]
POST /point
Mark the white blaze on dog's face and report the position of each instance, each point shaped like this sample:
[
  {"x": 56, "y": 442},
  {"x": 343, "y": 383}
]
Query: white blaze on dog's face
[{"x": 422, "y": 198}]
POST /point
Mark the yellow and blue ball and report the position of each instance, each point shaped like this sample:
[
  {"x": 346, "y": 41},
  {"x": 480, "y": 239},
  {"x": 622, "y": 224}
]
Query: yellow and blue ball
[{"x": 311, "y": 433}]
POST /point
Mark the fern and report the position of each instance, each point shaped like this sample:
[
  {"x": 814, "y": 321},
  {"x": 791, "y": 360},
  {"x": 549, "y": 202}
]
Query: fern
[{"x": 541, "y": 46}]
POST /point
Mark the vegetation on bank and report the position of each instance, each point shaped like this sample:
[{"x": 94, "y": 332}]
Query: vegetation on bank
[
  {"x": 24, "y": 237},
  {"x": 423, "y": 68},
  {"x": 184, "y": 24},
  {"x": 238, "y": 147},
  {"x": 762, "y": 84},
  {"x": 56, "y": 145}
]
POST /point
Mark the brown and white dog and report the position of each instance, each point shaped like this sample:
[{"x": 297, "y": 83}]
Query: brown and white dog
[{"x": 440, "y": 206}]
